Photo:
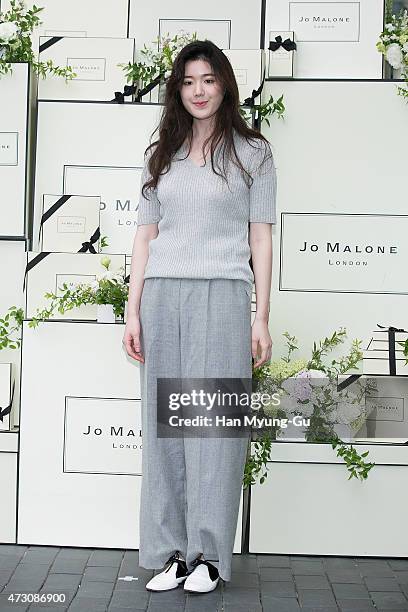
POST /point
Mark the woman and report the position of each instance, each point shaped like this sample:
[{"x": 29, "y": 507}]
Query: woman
[{"x": 189, "y": 308}]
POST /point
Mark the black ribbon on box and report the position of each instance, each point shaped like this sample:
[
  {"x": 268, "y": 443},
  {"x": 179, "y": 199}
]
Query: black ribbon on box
[
  {"x": 251, "y": 100},
  {"x": 51, "y": 41},
  {"x": 5, "y": 411},
  {"x": 288, "y": 45},
  {"x": 88, "y": 245},
  {"x": 120, "y": 96},
  {"x": 148, "y": 88},
  {"x": 33, "y": 263},
  {"x": 348, "y": 381},
  {"x": 255, "y": 93},
  {"x": 391, "y": 347}
]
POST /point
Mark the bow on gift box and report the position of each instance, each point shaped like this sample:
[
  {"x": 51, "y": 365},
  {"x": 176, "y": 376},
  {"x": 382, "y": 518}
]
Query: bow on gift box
[
  {"x": 391, "y": 347},
  {"x": 255, "y": 93},
  {"x": 5, "y": 411},
  {"x": 120, "y": 96},
  {"x": 251, "y": 100},
  {"x": 88, "y": 245},
  {"x": 148, "y": 88},
  {"x": 288, "y": 45}
]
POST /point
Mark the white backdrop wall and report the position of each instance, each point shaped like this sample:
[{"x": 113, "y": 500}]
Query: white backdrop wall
[{"x": 334, "y": 39}]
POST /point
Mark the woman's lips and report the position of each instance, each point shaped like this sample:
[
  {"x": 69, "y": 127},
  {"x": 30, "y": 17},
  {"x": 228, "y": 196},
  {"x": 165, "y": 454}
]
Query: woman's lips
[{"x": 200, "y": 104}]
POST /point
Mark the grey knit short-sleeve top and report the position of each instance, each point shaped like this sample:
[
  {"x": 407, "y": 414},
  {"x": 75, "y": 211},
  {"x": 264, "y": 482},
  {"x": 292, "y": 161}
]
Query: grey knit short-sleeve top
[{"x": 202, "y": 221}]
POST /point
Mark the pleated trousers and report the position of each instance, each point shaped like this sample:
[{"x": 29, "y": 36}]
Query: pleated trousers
[{"x": 191, "y": 487}]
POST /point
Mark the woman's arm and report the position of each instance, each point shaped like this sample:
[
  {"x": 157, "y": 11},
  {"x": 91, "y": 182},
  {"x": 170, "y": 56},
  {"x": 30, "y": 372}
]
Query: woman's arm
[
  {"x": 140, "y": 254},
  {"x": 260, "y": 242}
]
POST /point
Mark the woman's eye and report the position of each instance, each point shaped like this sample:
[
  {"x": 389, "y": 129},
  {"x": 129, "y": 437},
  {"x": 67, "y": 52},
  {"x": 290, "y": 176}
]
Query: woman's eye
[
  {"x": 187, "y": 83},
  {"x": 210, "y": 81}
]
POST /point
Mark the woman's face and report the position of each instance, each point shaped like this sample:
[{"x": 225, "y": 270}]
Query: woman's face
[{"x": 200, "y": 92}]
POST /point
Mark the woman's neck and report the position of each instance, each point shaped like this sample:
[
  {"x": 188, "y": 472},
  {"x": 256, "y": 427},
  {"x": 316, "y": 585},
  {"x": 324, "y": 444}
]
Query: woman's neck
[{"x": 202, "y": 129}]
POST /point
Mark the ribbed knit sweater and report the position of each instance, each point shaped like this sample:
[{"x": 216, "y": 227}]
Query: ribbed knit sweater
[{"x": 202, "y": 222}]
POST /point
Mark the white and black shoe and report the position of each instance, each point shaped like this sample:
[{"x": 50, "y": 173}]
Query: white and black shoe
[
  {"x": 171, "y": 577},
  {"x": 203, "y": 579}
]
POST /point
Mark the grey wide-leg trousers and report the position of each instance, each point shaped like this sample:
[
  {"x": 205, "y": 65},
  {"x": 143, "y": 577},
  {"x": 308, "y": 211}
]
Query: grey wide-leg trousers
[{"x": 191, "y": 487}]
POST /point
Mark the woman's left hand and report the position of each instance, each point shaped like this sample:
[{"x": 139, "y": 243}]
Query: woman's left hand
[{"x": 261, "y": 342}]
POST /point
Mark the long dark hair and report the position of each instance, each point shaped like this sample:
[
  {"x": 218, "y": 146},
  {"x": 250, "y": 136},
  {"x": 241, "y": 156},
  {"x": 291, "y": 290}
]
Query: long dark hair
[{"x": 176, "y": 122}]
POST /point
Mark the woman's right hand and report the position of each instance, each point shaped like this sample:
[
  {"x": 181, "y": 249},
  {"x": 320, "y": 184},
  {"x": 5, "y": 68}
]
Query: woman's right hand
[{"x": 131, "y": 339}]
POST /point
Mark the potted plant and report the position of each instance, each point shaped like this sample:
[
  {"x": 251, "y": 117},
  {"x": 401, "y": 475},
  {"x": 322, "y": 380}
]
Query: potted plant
[{"x": 309, "y": 390}]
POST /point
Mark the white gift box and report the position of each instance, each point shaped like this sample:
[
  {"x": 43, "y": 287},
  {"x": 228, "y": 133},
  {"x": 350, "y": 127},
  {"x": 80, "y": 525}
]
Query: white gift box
[
  {"x": 95, "y": 149},
  {"x": 6, "y": 395},
  {"x": 77, "y": 18},
  {"x": 230, "y": 25},
  {"x": 334, "y": 39},
  {"x": 69, "y": 221},
  {"x": 281, "y": 62},
  {"x": 14, "y": 117},
  {"x": 248, "y": 67},
  {"x": 335, "y": 502},
  {"x": 47, "y": 272},
  {"x": 94, "y": 61},
  {"x": 327, "y": 224},
  {"x": 388, "y": 417},
  {"x": 116, "y": 186},
  {"x": 12, "y": 265},
  {"x": 90, "y": 450}
]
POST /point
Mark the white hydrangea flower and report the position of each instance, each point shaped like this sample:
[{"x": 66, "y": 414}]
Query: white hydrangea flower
[
  {"x": 8, "y": 31},
  {"x": 316, "y": 377},
  {"x": 389, "y": 27},
  {"x": 394, "y": 55},
  {"x": 108, "y": 275},
  {"x": 105, "y": 261},
  {"x": 306, "y": 409}
]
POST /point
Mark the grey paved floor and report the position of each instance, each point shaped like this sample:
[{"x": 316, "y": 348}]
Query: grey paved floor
[{"x": 95, "y": 580}]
